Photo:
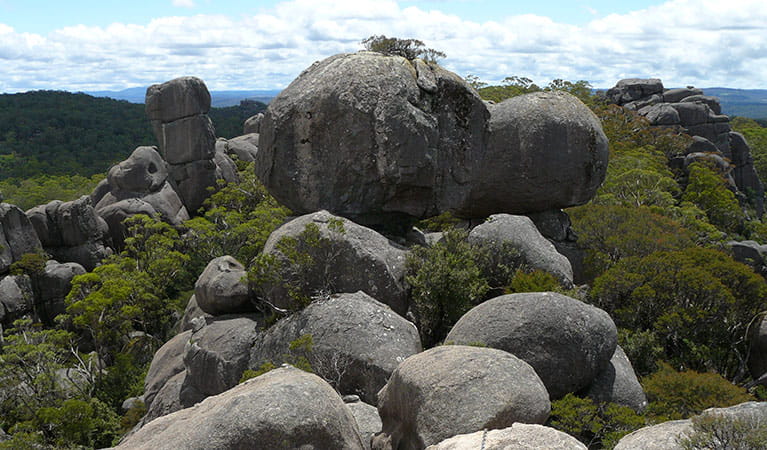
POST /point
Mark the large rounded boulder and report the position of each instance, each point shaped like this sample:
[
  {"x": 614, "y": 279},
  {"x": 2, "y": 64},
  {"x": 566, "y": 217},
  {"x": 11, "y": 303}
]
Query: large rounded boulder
[
  {"x": 618, "y": 383},
  {"x": 566, "y": 341},
  {"x": 284, "y": 408},
  {"x": 517, "y": 436},
  {"x": 222, "y": 287},
  {"x": 380, "y": 138},
  {"x": 456, "y": 389},
  {"x": 357, "y": 342},
  {"x": 322, "y": 253}
]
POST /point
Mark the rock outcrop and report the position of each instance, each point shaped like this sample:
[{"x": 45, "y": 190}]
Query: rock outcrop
[
  {"x": 285, "y": 408},
  {"x": 455, "y": 389},
  {"x": 618, "y": 383},
  {"x": 412, "y": 140},
  {"x": 699, "y": 116},
  {"x": 17, "y": 236},
  {"x": 72, "y": 231},
  {"x": 566, "y": 341},
  {"x": 366, "y": 416},
  {"x": 16, "y": 298},
  {"x": 519, "y": 232},
  {"x": 51, "y": 288},
  {"x": 357, "y": 342},
  {"x": 178, "y": 110},
  {"x": 517, "y": 436},
  {"x": 222, "y": 288},
  {"x": 345, "y": 257}
]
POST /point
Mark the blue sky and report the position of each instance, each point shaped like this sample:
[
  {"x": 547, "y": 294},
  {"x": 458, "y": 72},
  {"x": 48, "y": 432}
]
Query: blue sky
[{"x": 95, "y": 45}]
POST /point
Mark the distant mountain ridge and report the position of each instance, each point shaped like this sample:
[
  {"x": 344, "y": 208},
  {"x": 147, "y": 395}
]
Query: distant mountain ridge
[{"x": 219, "y": 99}]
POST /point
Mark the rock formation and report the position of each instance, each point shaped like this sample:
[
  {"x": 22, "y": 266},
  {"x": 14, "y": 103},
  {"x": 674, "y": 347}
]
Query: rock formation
[
  {"x": 411, "y": 140},
  {"x": 566, "y": 341},
  {"x": 222, "y": 288},
  {"x": 517, "y": 436},
  {"x": 17, "y": 236},
  {"x": 618, "y": 383},
  {"x": 454, "y": 389},
  {"x": 699, "y": 116}
]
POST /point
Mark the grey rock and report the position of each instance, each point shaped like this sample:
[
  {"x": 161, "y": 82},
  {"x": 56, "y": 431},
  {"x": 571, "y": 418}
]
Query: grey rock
[
  {"x": 174, "y": 395},
  {"x": 253, "y": 124},
  {"x": 191, "y": 312},
  {"x": 245, "y": 147},
  {"x": 757, "y": 357},
  {"x": 285, "y": 408},
  {"x": 193, "y": 181},
  {"x": 618, "y": 383},
  {"x": 357, "y": 342},
  {"x": 454, "y": 389},
  {"x": 225, "y": 168},
  {"x": 144, "y": 171},
  {"x": 348, "y": 260},
  {"x": 517, "y": 436},
  {"x": 17, "y": 236},
  {"x": 567, "y": 342},
  {"x": 168, "y": 204},
  {"x": 520, "y": 233},
  {"x": 744, "y": 173},
  {"x": 216, "y": 355},
  {"x": 130, "y": 403},
  {"x": 53, "y": 285},
  {"x": 701, "y": 145},
  {"x": 115, "y": 214},
  {"x": 187, "y": 140},
  {"x": 100, "y": 191},
  {"x": 664, "y": 436},
  {"x": 631, "y": 89},
  {"x": 677, "y": 95},
  {"x": 222, "y": 287},
  {"x": 661, "y": 114},
  {"x": 16, "y": 298},
  {"x": 167, "y": 362},
  {"x": 553, "y": 224},
  {"x": 712, "y": 102},
  {"x": 545, "y": 151},
  {"x": 692, "y": 113},
  {"x": 176, "y": 99},
  {"x": 368, "y": 421}
]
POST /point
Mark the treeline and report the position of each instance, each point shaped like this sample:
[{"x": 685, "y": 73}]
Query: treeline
[{"x": 61, "y": 133}]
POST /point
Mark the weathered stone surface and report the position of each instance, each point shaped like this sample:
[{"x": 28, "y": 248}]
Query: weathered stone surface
[
  {"x": 366, "y": 416},
  {"x": 216, "y": 355},
  {"x": 712, "y": 102},
  {"x": 16, "y": 298},
  {"x": 53, "y": 285},
  {"x": 174, "y": 395},
  {"x": 546, "y": 150},
  {"x": 357, "y": 342},
  {"x": 454, "y": 389},
  {"x": 617, "y": 383},
  {"x": 17, "y": 236},
  {"x": 176, "y": 99},
  {"x": 677, "y": 95},
  {"x": 187, "y": 140},
  {"x": 72, "y": 231},
  {"x": 691, "y": 114},
  {"x": 144, "y": 171},
  {"x": 757, "y": 358},
  {"x": 167, "y": 362},
  {"x": 632, "y": 89},
  {"x": 349, "y": 258},
  {"x": 664, "y": 436},
  {"x": 517, "y": 436},
  {"x": 245, "y": 147},
  {"x": 168, "y": 204},
  {"x": 412, "y": 140},
  {"x": 192, "y": 182},
  {"x": 661, "y": 114},
  {"x": 117, "y": 212},
  {"x": 285, "y": 408},
  {"x": 253, "y": 124},
  {"x": 566, "y": 341},
  {"x": 701, "y": 145},
  {"x": 222, "y": 288},
  {"x": 520, "y": 233},
  {"x": 225, "y": 168},
  {"x": 192, "y": 312},
  {"x": 744, "y": 171}
]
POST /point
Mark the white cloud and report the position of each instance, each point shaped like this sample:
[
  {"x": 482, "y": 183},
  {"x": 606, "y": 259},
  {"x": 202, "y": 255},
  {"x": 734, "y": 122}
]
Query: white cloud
[
  {"x": 683, "y": 42},
  {"x": 184, "y": 3}
]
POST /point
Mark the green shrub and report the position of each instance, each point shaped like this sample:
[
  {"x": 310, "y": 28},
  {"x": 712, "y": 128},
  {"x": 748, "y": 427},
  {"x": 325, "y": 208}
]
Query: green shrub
[
  {"x": 643, "y": 349},
  {"x": 726, "y": 432},
  {"x": 596, "y": 425},
  {"x": 535, "y": 281},
  {"x": 446, "y": 282},
  {"x": 678, "y": 395}
]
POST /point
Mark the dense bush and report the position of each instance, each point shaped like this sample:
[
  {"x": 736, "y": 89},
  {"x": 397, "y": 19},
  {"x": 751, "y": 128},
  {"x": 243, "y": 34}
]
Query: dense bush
[{"x": 726, "y": 432}]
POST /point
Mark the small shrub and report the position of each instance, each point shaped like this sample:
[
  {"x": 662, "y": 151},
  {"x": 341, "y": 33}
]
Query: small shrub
[
  {"x": 726, "y": 432},
  {"x": 535, "y": 281}
]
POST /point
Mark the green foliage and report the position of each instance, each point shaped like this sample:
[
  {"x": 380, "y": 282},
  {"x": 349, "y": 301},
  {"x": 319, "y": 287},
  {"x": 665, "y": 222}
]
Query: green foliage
[
  {"x": 249, "y": 373},
  {"x": 407, "y": 48},
  {"x": 442, "y": 222},
  {"x": 609, "y": 233},
  {"x": 678, "y": 395},
  {"x": 41, "y": 189},
  {"x": 79, "y": 423},
  {"x": 756, "y": 135},
  {"x": 708, "y": 190},
  {"x": 726, "y": 432},
  {"x": 132, "y": 417},
  {"x": 535, "y": 281},
  {"x": 229, "y": 120},
  {"x": 446, "y": 282},
  {"x": 643, "y": 348},
  {"x": 514, "y": 86},
  {"x": 31, "y": 264},
  {"x": 596, "y": 425},
  {"x": 697, "y": 301}
]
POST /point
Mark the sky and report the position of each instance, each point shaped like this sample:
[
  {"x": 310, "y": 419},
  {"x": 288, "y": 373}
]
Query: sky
[{"x": 80, "y": 45}]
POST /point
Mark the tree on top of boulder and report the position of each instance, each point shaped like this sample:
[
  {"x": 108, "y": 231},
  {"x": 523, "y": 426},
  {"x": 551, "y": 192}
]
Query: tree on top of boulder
[{"x": 407, "y": 48}]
